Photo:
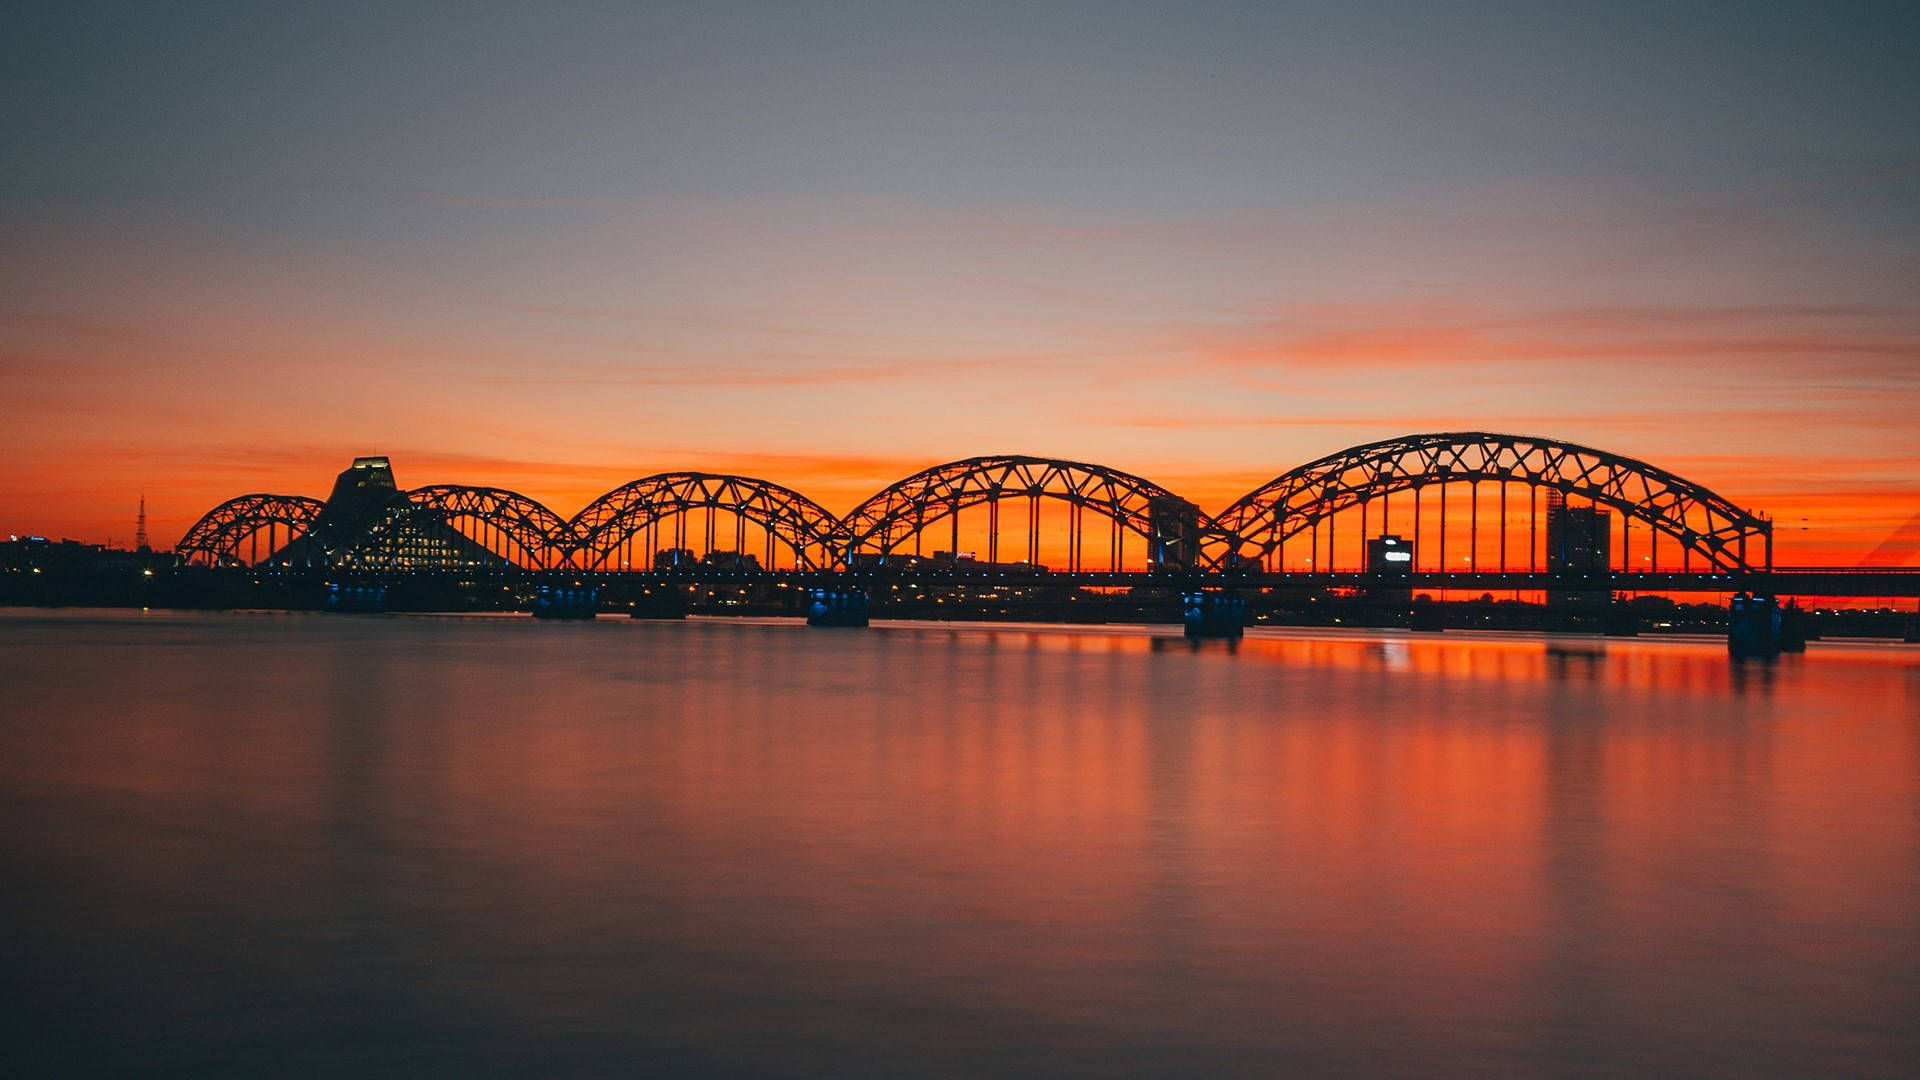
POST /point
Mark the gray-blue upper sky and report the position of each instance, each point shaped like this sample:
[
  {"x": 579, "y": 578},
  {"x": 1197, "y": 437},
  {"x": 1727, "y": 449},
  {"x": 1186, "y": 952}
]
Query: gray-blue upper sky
[{"x": 1156, "y": 106}]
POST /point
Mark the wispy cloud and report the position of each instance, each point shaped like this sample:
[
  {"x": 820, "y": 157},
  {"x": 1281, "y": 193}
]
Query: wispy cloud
[{"x": 1389, "y": 337}]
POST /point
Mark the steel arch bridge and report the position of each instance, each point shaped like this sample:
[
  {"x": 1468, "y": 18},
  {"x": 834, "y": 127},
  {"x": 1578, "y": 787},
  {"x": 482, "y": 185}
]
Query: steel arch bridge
[
  {"x": 1170, "y": 526},
  {"x": 644, "y": 509},
  {"x": 456, "y": 527},
  {"x": 520, "y": 530},
  {"x": 217, "y": 538},
  {"x": 452, "y": 526},
  {"x": 1703, "y": 524}
]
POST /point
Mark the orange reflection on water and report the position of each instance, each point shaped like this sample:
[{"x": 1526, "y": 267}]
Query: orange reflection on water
[{"x": 1454, "y": 851}]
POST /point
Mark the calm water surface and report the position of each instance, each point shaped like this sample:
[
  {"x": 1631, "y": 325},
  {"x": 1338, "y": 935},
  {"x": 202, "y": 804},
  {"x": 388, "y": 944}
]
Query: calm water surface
[{"x": 310, "y": 845}]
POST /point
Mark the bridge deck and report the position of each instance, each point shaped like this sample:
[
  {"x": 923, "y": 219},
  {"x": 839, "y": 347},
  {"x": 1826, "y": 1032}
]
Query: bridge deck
[{"x": 1787, "y": 581}]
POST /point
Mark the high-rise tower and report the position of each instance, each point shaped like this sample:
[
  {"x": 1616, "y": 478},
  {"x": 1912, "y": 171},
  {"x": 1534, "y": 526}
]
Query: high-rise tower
[{"x": 1579, "y": 550}]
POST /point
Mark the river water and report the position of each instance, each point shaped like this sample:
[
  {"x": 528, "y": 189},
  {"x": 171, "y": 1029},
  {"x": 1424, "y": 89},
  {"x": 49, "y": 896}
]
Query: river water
[{"x": 296, "y": 844}]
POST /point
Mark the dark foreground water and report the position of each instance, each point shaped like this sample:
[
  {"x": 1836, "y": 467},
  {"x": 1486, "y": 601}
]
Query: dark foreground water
[{"x": 311, "y": 845}]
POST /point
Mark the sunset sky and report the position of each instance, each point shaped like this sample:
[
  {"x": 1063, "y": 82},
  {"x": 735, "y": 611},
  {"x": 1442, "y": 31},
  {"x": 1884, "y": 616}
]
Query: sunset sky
[{"x": 557, "y": 249}]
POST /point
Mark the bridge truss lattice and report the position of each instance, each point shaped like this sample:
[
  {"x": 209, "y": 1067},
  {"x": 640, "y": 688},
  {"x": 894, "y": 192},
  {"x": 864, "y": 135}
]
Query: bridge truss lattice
[{"x": 677, "y": 512}]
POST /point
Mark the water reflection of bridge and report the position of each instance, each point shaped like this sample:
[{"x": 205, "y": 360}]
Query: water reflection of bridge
[{"x": 1471, "y": 511}]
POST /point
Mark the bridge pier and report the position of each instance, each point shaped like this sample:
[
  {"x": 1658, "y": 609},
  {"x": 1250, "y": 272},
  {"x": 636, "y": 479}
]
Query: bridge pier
[
  {"x": 356, "y": 599},
  {"x": 1214, "y": 613},
  {"x": 565, "y": 602},
  {"x": 837, "y": 607},
  {"x": 1759, "y": 626}
]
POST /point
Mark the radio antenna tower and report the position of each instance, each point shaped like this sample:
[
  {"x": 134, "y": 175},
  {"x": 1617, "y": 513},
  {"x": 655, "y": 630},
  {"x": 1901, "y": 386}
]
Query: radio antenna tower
[{"x": 140, "y": 529}]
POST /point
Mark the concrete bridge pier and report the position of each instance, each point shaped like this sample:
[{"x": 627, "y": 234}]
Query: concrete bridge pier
[
  {"x": 355, "y": 598},
  {"x": 1759, "y": 626},
  {"x": 566, "y": 602},
  {"x": 837, "y": 606},
  {"x": 1214, "y": 613}
]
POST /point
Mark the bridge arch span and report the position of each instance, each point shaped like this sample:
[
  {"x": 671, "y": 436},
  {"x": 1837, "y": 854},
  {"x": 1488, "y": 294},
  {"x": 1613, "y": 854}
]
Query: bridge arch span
[
  {"x": 1704, "y": 525},
  {"x": 1170, "y": 527},
  {"x": 517, "y": 529},
  {"x": 229, "y": 535},
  {"x": 656, "y": 509},
  {"x": 449, "y": 527}
]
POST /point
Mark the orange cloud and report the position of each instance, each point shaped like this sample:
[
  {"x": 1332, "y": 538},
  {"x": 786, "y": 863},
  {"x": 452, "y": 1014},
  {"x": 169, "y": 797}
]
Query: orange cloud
[{"x": 1883, "y": 343}]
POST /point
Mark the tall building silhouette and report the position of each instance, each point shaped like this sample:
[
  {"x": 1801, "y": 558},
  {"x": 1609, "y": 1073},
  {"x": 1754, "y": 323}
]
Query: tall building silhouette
[
  {"x": 368, "y": 520},
  {"x": 1579, "y": 545}
]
